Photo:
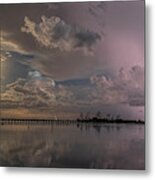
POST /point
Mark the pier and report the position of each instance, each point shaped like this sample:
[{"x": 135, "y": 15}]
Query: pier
[{"x": 35, "y": 122}]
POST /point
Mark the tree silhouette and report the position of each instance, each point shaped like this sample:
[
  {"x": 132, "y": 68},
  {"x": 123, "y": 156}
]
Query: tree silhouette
[
  {"x": 87, "y": 116},
  {"x": 81, "y": 115},
  {"x": 108, "y": 116},
  {"x": 98, "y": 115},
  {"x": 118, "y": 116}
]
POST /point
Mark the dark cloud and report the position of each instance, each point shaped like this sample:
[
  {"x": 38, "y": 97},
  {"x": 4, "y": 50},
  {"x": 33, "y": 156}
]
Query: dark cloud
[
  {"x": 78, "y": 34},
  {"x": 96, "y": 8},
  {"x": 86, "y": 39},
  {"x": 55, "y": 33}
]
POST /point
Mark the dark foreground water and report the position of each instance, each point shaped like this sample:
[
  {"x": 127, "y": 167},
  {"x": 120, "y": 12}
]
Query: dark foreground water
[{"x": 109, "y": 146}]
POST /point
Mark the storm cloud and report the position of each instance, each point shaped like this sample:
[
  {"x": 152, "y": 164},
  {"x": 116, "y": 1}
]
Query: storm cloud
[
  {"x": 125, "y": 88},
  {"x": 54, "y": 33},
  {"x": 41, "y": 91}
]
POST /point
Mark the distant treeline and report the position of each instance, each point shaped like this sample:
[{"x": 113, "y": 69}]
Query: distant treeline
[
  {"x": 107, "y": 119},
  {"x": 96, "y": 120}
]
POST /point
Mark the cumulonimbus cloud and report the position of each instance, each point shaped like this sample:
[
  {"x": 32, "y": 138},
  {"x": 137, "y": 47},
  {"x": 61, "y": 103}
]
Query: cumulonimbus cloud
[
  {"x": 40, "y": 91},
  {"x": 55, "y": 33},
  {"x": 36, "y": 91},
  {"x": 126, "y": 87}
]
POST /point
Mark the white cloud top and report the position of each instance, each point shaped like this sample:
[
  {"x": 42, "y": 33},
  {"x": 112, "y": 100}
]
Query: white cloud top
[{"x": 55, "y": 33}]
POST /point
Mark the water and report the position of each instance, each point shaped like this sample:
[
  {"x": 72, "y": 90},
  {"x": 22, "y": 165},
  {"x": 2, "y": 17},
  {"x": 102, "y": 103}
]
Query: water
[{"x": 108, "y": 146}]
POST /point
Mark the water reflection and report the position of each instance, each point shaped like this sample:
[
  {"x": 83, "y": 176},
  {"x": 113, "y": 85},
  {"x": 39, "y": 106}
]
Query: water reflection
[{"x": 78, "y": 145}]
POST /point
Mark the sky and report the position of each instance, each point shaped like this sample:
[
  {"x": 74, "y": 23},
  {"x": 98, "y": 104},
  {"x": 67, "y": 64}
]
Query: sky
[{"x": 61, "y": 59}]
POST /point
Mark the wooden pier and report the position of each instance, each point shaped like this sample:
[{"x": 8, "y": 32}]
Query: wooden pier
[{"x": 35, "y": 122}]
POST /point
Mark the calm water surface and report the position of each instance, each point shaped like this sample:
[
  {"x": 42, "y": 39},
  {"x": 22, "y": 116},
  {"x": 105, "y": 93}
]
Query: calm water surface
[{"x": 110, "y": 146}]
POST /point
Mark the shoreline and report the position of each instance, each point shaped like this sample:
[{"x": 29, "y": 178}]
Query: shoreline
[{"x": 86, "y": 121}]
